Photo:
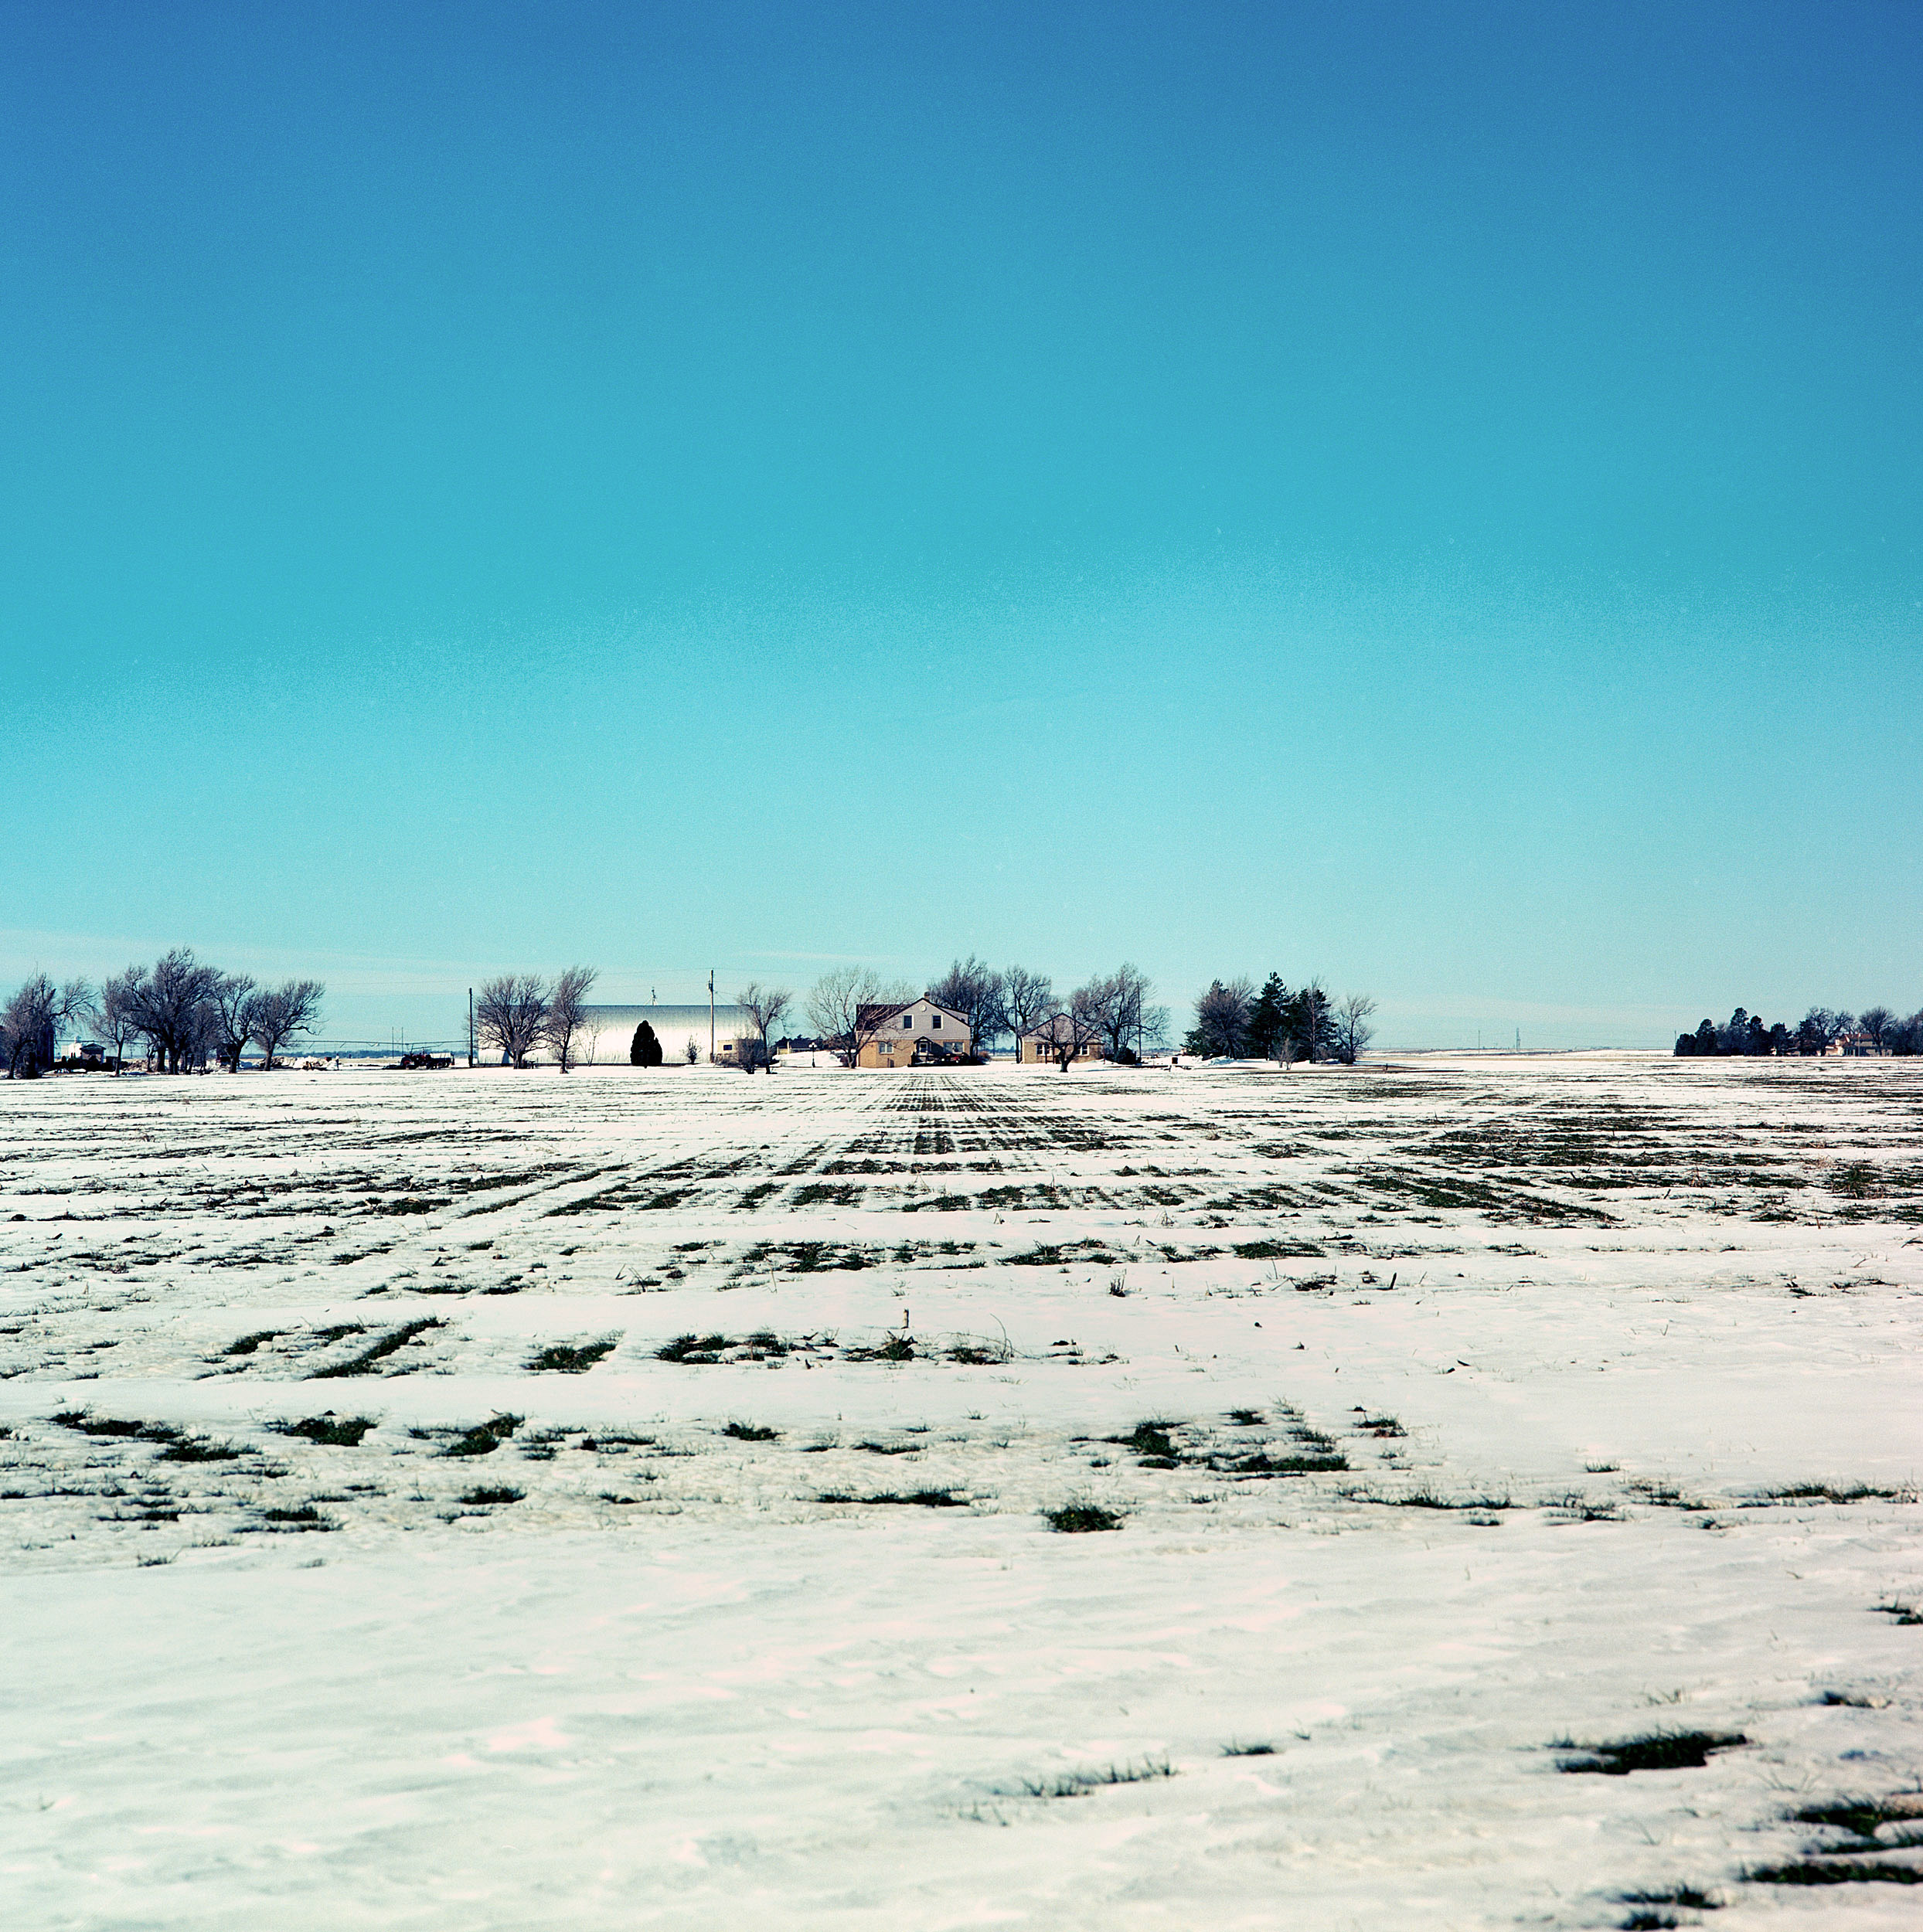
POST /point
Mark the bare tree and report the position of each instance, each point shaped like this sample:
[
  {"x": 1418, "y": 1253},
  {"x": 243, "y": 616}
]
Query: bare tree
[
  {"x": 1352, "y": 1030},
  {"x": 1221, "y": 1019},
  {"x": 116, "y": 1015},
  {"x": 282, "y": 1013},
  {"x": 849, "y": 1007},
  {"x": 31, "y": 1021},
  {"x": 592, "y": 1026},
  {"x": 1878, "y": 1022},
  {"x": 173, "y": 1006},
  {"x": 509, "y": 1013},
  {"x": 764, "y": 1006},
  {"x": 975, "y": 991},
  {"x": 566, "y": 1013},
  {"x": 1121, "y": 1000},
  {"x": 1311, "y": 1026},
  {"x": 1026, "y": 1000},
  {"x": 1080, "y": 1022},
  {"x": 233, "y": 996}
]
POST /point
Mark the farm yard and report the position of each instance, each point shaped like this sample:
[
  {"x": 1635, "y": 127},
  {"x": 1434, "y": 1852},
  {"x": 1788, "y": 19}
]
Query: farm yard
[{"x": 1445, "y": 1493}]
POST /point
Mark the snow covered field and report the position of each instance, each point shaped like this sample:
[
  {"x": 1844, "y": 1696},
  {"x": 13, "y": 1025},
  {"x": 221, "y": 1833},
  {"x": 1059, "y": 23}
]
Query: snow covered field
[{"x": 369, "y": 1564}]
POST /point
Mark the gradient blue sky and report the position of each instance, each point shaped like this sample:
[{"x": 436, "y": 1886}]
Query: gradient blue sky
[{"x": 1424, "y": 495}]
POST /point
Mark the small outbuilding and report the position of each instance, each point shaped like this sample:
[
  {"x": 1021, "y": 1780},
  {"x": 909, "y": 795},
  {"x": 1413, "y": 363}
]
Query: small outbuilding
[{"x": 1045, "y": 1042}]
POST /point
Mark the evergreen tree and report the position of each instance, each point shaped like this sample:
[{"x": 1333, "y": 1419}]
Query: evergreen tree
[
  {"x": 1310, "y": 1031},
  {"x": 1267, "y": 1020},
  {"x": 645, "y": 1049}
]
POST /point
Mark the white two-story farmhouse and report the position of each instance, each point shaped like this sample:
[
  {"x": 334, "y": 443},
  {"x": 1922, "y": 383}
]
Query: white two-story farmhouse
[{"x": 906, "y": 1035}]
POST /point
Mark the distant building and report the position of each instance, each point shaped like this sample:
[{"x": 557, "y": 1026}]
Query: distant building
[
  {"x": 1045, "y": 1042},
  {"x": 910, "y": 1035},
  {"x": 607, "y": 1031}
]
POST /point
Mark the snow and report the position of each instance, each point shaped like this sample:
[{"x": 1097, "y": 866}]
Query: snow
[{"x": 1612, "y": 1303}]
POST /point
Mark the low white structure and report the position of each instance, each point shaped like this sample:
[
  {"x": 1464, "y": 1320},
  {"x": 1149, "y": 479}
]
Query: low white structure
[{"x": 607, "y": 1032}]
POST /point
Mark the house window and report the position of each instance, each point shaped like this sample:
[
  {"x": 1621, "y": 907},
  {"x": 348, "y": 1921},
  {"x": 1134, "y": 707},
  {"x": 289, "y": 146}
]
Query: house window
[
  {"x": 908, "y": 1020},
  {"x": 936, "y": 1021}
]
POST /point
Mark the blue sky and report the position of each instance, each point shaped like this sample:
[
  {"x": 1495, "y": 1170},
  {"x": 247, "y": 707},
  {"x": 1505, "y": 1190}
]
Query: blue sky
[{"x": 1424, "y": 495}]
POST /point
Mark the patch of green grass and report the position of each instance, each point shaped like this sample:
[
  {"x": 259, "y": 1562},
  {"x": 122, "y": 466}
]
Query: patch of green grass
[
  {"x": 1577, "y": 1508},
  {"x": 330, "y": 1432},
  {"x": 918, "y": 1499},
  {"x": 1075, "y": 1783},
  {"x": 1247, "y": 1418},
  {"x": 301, "y": 1516},
  {"x": 1383, "y": 1426},
  {"x": 1860, "y": 1816},
  {"x": 1687, "y": 1896},
  {"x": 1248, "y": 1750},
  {"x": 1835, "y": 1872},
  {"x": 1152, "y": 1439},
  {"x": 1277, "y": 1251},
  {"x": 364, "y": 1363},
  {"x": 1427, "y": 1498},
  {"x": 484, "y": 1439},
  {"x": 841, "y": 1195},
  {"x": 1080, "y": 1518},
  {"x": 1657, "y": 1751},
  {"x": 1067, "y": 1254},
  {"x": 197, "y": 1449},
  {"x": 1838, "y": 1492},
  {"x": 477, "y": 1499},
  {"x": 1262, "y": 1464},
  {"x": 1903, "y": 1613},
  {"x": 750, "y": 1432},
  {"x": 1664, "y": 1495},
  {"x": 247, "y": 1344},
  {"x": 92, "y": 1425},
  {"x": 569, "y": 1359},
  {"x": 692, "y": 1348}
]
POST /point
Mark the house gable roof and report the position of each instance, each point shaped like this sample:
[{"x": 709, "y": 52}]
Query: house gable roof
[
  {"x": 866, "y": 1017},
  {"x": 1059, "y": 1025}
]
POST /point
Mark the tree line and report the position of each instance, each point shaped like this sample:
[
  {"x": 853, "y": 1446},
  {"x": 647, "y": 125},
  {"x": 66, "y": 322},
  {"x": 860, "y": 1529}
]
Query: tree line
[
  {"x": 1233, "y": 1021},
  {"x": 1817, "y": 1032},
  {"x": 516, "y": 1012},
  {"x": 185, "y": 1012}
]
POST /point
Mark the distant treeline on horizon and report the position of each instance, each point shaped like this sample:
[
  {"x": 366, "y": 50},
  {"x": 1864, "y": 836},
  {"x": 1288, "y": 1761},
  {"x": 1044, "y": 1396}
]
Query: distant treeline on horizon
[{"x": 1874, "y": 1031}]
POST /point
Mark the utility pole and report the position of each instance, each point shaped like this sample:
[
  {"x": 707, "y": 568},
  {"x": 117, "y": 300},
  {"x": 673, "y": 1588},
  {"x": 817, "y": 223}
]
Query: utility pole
[
  {"x": 710, "y": 1016},
  {"x": 471, "y": 1026}
]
